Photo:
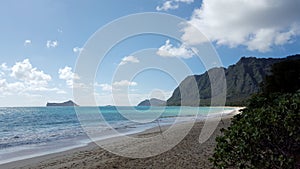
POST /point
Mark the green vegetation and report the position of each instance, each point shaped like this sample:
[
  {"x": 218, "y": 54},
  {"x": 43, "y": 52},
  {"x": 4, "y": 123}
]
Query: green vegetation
[
  {"x": 267, "y": 133},
  {"x": 285, "y": 77}
]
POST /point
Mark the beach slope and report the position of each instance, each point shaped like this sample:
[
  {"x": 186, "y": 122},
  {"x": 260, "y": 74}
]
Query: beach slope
[{"x": 189, "y": 153}]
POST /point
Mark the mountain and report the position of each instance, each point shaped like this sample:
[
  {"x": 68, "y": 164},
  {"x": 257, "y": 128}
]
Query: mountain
[
  {"x": 152, "y": 102},
  {"x": 242, "y": 79},
  {"x": 67, "y": 103}
]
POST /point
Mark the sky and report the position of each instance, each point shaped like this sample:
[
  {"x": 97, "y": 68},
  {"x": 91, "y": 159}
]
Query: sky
[{"x": 41, "y": 42}]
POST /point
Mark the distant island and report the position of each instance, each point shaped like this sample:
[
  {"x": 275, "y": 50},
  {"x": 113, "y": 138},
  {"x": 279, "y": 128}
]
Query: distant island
[
  {"x": 67, "y": 103},
  {"x": 152, "y": 102}
]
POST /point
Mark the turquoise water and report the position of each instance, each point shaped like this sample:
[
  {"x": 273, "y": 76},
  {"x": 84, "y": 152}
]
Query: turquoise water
[{"x": 44, "y": 127}]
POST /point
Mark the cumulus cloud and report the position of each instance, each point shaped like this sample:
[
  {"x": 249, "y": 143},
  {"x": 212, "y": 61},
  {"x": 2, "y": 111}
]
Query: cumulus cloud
[
  {"x": 118, "y": 85},
  {"x": 27, "y": 42},
  {"x": 67, "y": 74},
  {"x": 9, "y": 88},
  {"x": 25, "y": 78},
  {"x": 168, "y": 50},
  {"x": 172, "y": 4},
  {"x": 105, "y": 87},
  {"x": 25, "y": 72},
  {"x": 77, "y": 49},
  {"x": 167, "y": 6},
  {"x": 4, "y": 67},
  {"x": 124, "y": 83},
  {"x": 258, "y": 25},
  {"x": 128, "y": 59},
  {"x": 51, "y": 44}
]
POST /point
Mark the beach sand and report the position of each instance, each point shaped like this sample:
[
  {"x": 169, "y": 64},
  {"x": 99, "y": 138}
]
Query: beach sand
[{"x": 189, "y": 153}]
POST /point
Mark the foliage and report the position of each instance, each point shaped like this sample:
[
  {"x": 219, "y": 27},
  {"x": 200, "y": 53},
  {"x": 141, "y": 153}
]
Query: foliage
[
  {"x": 264, "y": 136},
  {"x": 285, "y": 77},
  {"x": 267, "y": 133}
]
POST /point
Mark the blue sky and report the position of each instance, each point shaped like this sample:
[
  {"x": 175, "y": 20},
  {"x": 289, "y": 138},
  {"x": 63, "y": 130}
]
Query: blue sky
[{"x": 41, "y": 41}]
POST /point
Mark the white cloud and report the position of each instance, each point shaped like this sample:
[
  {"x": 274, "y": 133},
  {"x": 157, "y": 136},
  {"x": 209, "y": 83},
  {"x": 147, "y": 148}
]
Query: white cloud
[
  {"x": 124, "y": 83},
  {"x": 172, "y": 4},
  {"x": 168, "y": 50},
  {"x": 258, "y": 25},
  {"x": 105, "y": 87},
  {"x": 3, "y": 83},
  {"x": 4, "y": 67},
  {"x": 24, "y": 71},
  {"x": 77, "y": 50},
  {"x": 167, "y": 6},
  {"x": 25, "y": 78},
  {"x": 128, "y": 59},
  {"x": 118, "y": 85},
  {"x": 59, "y": 30},
  {"x": 9, "y": 88},
  {"x": 27, "y": 42},
  {"x": 67, "y": 74},
  {"x": 185, "y": 1},
  {"x": 51, "y": 44}
]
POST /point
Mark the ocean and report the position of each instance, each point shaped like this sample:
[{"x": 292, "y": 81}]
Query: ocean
[{"x": 33, "y": 131}]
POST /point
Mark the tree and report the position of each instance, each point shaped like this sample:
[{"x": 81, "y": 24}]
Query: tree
[
  {"x": 267, "y": 133},
  {"x": 285, "y": 78},
  {"x": 262, "y": 137}
]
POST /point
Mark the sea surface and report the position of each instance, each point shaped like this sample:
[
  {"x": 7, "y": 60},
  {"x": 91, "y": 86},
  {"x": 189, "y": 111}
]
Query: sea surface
[{"x": 33, "y": 131}]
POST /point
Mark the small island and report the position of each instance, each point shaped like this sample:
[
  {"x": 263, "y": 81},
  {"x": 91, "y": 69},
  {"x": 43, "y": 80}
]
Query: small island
[
  {"x": 152, "y": 102},
  {"x": 67, "y": 103}
]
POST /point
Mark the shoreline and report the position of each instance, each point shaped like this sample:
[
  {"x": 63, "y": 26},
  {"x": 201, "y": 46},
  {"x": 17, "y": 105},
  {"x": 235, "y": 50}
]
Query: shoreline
[{"x": 91, "y": 146}]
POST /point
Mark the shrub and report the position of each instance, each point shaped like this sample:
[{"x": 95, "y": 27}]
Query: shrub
[
  {"x": 265, "y": 135},
  {"x": 285, "y": 78}
]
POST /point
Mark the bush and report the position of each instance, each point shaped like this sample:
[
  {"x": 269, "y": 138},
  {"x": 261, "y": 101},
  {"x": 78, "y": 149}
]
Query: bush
[
  {"x": 285, "y": 78},
  {"x": 265, "y": 135}
]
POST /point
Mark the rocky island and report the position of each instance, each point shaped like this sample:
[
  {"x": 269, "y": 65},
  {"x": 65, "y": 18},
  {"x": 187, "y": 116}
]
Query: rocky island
[
  {"x": 67, "y": 103},
  {"x": 152, "y": 102}
]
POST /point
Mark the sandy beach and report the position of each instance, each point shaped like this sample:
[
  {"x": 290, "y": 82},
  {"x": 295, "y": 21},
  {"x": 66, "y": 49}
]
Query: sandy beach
[{"x": 189, "y": 153}]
